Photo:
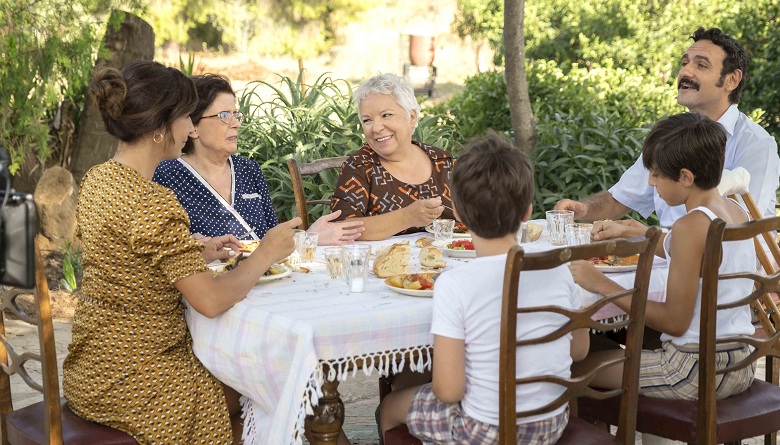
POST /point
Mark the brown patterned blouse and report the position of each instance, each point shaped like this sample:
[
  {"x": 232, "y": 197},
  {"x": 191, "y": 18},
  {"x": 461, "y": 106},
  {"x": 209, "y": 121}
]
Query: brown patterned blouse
[
  {"x": 366, "y": 188},
  {"x": 130, "y": 365}
]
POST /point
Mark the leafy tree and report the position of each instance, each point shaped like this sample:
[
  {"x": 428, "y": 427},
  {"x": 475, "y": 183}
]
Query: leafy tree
[
  {"x": 47, "y": 51},
  {"x": 483, "y": 21}
]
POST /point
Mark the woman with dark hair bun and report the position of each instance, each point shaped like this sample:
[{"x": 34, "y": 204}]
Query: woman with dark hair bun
[{"x": 130, "y": 364}]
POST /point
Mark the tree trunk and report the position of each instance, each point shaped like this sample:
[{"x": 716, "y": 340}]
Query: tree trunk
[
  {"x": 133, "y": 40},
  {"x": 523, "y": 121}
]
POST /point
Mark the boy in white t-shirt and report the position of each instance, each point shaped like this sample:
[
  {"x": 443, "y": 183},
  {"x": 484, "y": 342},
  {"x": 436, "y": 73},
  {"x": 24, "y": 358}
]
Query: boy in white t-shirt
[{"x": 492, "y": 189}]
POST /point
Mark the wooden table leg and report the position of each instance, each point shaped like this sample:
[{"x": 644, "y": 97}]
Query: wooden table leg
[{"x": 324, "y": 426}]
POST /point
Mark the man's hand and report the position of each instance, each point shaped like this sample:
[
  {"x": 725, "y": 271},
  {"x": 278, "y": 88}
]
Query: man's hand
[
  {"x": 336, "y": 233},
  {"x": 580, "y": 209},
  {"x": 625, "y": 228}
]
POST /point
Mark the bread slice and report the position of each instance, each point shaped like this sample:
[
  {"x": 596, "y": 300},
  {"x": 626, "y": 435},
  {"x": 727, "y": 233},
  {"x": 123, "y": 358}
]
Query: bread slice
[
  {"x": 424, "y": 241},
  {"x": 393, "y": 261},
  {"x": 430, "y": 257},
  {"x": 534, "y": 231}
]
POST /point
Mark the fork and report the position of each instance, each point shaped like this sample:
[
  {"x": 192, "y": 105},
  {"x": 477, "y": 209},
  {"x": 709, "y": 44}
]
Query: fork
[{"x": 251, "y": 231}]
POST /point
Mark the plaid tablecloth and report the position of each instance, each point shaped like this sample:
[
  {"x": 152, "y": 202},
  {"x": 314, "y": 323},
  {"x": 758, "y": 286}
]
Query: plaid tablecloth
[{"x": 272, "y": 345}]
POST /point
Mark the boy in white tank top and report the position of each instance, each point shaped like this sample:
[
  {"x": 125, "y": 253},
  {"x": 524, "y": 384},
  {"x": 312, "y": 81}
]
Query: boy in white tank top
[{"x": 684, "y": 154}]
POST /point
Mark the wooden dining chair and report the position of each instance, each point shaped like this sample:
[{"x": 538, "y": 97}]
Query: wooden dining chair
[
  {"x": 50, "y": 421},
  {"x": 297, "y": 171},
  {"x": 754, "y": 412},
  {"x": 577, "y": 430}
]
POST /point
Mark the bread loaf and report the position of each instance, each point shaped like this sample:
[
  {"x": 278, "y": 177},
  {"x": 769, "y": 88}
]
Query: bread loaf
[
  {"x": 393, "y": 261},
  {"x": 430, "y": 257},
  {"x": 534, "y": 231}
]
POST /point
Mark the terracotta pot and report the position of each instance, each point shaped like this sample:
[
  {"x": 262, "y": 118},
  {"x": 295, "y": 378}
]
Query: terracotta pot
[{"x": 421, "y": 50}]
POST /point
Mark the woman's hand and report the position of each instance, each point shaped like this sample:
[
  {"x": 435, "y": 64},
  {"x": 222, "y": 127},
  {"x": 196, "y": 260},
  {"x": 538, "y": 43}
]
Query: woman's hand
[
  {"x": 625, "y": 228},
  {"x": 219, "y": 247},
  {"x": 422, "y": 212},
  {"x": 591, "y": 279},
  {"x": 278, "y": 243},
  {"x": 336, "y": 233}
]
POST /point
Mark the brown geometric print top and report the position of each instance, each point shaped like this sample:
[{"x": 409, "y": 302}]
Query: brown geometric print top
[
  {"x": 366, "y": 188},
  {"x": 130, "y": 364}
]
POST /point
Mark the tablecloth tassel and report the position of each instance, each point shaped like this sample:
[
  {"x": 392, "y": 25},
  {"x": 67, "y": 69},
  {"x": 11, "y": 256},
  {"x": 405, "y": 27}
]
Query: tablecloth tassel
[
  {"x": 368, "y": 365},
  {"x": 420, "y": 365},
  {"x": 250, "y": 434}
]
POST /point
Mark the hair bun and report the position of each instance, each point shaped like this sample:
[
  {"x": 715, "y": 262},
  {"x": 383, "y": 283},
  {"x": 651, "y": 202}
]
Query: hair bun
[{"x": 108, "y": 88}]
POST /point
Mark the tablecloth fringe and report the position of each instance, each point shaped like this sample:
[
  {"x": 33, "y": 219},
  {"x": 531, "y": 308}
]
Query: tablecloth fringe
[{"x": 338, "y": 369}]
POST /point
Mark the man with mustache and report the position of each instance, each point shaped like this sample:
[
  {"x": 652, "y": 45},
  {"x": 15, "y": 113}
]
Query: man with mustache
[{"x": 710, "y": 82}]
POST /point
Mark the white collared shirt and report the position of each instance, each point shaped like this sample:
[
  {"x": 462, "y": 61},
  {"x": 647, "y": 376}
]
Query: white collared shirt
[{"x": 748, "y": 145}]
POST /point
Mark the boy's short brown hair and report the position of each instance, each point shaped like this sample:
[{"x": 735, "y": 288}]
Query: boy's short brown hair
[{"x": 492, "y": 186}]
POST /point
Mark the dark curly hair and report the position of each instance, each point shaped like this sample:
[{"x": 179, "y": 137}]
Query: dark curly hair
[{"x": 736, "y": 57}]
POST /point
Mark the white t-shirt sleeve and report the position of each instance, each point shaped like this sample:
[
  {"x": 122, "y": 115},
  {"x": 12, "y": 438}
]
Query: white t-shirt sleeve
[
  {"x": 448, "y": 310},
  {"x": 633, "y": 191}
]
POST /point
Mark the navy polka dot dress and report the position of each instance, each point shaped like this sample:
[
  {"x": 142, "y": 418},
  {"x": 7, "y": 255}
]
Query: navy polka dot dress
[{"x": 210, "y": 215}]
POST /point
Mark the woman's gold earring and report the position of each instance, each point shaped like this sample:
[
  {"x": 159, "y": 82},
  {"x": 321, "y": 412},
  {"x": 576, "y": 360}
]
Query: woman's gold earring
[{"x": 154, "y": 138}]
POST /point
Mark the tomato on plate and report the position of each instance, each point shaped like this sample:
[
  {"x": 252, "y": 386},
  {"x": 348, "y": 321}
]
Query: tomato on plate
[
  {"x": 461, "y": 245},
  {"x": 425, "y": 282}
]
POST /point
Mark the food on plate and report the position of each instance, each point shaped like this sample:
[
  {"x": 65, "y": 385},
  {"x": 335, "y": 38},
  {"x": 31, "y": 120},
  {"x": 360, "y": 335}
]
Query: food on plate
[
  {"x": 415, "y": 281},
  {"x": 430, "y": 257},
  {"x": 275, "y": 269},
  {"x": 614, "y": 260},
  {"x": 249, "y": 246},
  {"x": 424, "y": 241},
  {"x": 393, "y": 261},
  {"x": 461, "y": 245},
  {"x": 460, "y": 227},
  {"x": 533, "y": 230}
]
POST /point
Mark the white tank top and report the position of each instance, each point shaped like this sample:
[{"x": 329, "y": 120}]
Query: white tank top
[{"x": 738, "y": 256}]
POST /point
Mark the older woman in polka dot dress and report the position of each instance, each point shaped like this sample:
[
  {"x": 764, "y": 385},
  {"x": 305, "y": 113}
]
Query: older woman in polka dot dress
[
  {"x": 224, "y": 193},
  {"x": 130, "y": 364}
]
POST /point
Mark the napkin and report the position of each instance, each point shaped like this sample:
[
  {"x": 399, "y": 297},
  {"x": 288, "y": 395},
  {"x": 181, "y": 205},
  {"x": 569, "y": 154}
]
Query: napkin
[{"x": 734, "y": 182}]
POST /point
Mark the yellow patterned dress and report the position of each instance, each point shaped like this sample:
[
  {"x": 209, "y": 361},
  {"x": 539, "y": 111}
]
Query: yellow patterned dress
[{"x": 130, "y": 364}]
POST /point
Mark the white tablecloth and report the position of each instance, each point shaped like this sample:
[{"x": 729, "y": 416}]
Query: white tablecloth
[{"x": 271, "y": 345}]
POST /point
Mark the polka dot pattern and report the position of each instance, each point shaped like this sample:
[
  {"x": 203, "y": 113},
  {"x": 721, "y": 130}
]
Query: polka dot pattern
[
  {"x": 208, "y": 216},
  {"x": 130, "y": 364}
]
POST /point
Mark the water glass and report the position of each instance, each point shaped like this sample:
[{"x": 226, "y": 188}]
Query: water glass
[
  {"x": 556, "y": 223},
  {"x": 354, "y": 259},
  {"x": 309, "y": 248},
  {"x": 294, "y": 259},
  {"x": 442, "y": 229},
  {"x": 578, "y": 233},
  {"x": 333, "y": 260}
]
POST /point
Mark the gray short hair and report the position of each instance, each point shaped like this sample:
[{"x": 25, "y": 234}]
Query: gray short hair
[{"x": 393, "y": 85}]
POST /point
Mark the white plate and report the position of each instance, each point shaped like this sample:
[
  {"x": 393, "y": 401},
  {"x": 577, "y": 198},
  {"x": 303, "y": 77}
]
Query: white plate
[
  {"x": 286, "y": 273},
  {"x": 455, "y": 253},
  {"x": 412, "y": 292},
  {"x": 429, "y": 229}
]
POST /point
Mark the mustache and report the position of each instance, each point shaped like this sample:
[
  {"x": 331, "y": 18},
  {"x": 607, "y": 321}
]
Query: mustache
[{"x": 687, "y": 81}]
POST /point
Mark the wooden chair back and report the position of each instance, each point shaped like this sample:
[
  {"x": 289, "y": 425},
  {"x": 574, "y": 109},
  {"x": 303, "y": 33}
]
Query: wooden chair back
[
  {"x": 518, "y": 260},
  {"x": 12, "y": 362},
  {"x": 764, "y": 285},
  {"x": 765, "y": 307},
  {"x": 297, "y": 171}
]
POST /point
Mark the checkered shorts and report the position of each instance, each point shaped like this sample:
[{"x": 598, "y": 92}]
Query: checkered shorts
[
  {"x": 672, "y": 372},
  {"x": 433, "y": 421}
]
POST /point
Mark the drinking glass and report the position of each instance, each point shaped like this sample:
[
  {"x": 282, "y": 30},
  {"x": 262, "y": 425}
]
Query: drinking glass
[
  {"x": 309, "y": 248},
  {"x": 556, "y": 223},
  {"x": 354, "y": 259},
  {"x": 578, "y": 233},
  {"x": 442, "y": 229},
  {"x": 333, "y": 260},
  {"x": 294, "y": 260}
]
